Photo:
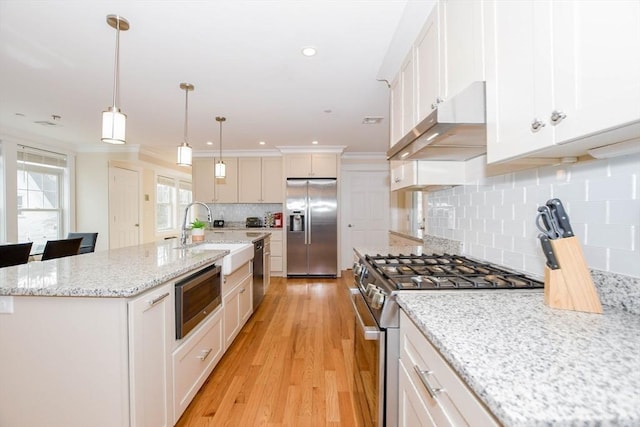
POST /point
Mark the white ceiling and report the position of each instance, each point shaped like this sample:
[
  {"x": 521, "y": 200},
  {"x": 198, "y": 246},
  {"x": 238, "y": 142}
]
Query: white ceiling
[{"x": 244, "y": 58}]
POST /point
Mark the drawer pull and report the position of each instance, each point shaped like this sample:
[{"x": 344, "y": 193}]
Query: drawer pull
[
  {"x": 157, "y": 300},
  {"x": 425, "y": 382},
  {"x": 242, "y": 290},
  {"x": 204, "y": 354}
]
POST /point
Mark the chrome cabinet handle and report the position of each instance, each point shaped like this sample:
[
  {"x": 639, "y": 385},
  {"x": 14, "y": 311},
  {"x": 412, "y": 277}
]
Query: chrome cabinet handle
[
  {"x": 425, "y": 382},
  {"x": 242, "y": 290},
  {"x": 157, "y": 300},
  {"x": 204, "y": 354},
  {"x": 438, "y": 101},
  {"x": 557, "y": 116},
  {"x": 536, "y": 125}
]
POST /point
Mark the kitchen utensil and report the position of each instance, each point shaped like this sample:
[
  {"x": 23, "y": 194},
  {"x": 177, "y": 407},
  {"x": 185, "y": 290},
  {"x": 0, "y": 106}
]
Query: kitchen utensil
[
  {"x": 560, "y": 217},
  {"x": 552, "y": 262},
  {"x": 546, "y": 223}
]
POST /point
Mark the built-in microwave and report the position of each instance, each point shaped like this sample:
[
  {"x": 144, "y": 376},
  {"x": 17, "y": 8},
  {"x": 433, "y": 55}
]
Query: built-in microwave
[{"x": 196, "y": 297}]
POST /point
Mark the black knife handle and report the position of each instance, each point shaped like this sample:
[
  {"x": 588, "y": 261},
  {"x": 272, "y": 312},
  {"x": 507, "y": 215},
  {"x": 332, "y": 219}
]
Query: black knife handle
[
  {"x": 552, "y": 262},
  {"x": 561, "y": 216}
]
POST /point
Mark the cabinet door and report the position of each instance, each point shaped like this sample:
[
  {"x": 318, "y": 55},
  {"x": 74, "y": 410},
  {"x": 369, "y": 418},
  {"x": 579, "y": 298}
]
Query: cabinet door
[
  {"x": 407, "y": 79},
  {"x": 249, "y": 180},
  {"x": 298, "y": 165},
  {"x": 597, "y": 65},
  {"x": 151, "y": 333},
  {"x": 412, "y": 411},
  {"x": 237, "y": 309},
  {"x": 324, "y": 165},
  {"x": 203, "y": 179},
  {"x": 272, "y": 180},
  {"x": 226, "y": 190},
  {"x": 427, "y": 57},
  {"x": 461, "y": 49},
  {"x": 395, "y": 104},
  {"x": 518, "y": 71}
]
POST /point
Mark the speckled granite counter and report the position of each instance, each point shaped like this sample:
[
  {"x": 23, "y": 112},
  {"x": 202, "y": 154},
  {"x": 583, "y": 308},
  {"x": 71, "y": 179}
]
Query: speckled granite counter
[
  {"x": 122, "y": 272},
  {"x": 533, "y": 365}
]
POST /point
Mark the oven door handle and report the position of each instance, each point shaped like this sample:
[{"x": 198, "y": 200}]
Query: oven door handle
[{"x": 370, "y": 333}]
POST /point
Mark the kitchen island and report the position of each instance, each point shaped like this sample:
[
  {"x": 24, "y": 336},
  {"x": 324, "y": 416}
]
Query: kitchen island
[
  {"x": 533, "y": 365},
  {"x": 90, "y": 339}
]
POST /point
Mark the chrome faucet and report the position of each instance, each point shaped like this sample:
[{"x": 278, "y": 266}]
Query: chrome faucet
[{"x": 183, "y": 232}]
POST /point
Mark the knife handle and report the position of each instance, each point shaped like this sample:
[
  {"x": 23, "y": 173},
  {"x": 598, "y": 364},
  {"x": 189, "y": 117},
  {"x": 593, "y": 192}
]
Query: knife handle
[
  {"x": 561, "y": 216},
  {"x": 552, "y": 262}
]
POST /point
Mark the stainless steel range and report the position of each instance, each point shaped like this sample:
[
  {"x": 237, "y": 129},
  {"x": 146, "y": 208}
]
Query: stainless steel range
[{"x": 378, "y": 279}]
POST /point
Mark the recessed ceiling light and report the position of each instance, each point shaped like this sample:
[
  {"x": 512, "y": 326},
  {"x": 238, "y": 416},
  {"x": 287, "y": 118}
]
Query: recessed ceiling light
[
  {"x": 261, "y": 142},
  {"x": 309, "y": 51},
  {"x": 314, "y": 142},
  {"x": 209, "y": 143}
]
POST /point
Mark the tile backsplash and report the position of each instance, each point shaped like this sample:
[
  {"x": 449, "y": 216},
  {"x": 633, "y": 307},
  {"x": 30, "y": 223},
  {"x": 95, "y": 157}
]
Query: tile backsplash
[{"x": 495, "y": 218}]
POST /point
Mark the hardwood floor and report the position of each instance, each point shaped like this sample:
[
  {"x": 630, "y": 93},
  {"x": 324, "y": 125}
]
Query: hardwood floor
[{"x": 291, "y": 365}]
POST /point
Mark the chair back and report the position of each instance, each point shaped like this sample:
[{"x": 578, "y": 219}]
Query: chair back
[
  {"x": 88, "y": 241},
  {"x": 61, "y": 248},
  {"x": 14, "y": 254}
]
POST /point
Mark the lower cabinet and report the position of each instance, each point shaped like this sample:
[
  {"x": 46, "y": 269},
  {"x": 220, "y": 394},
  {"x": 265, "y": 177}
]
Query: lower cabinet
[
  {"x": 276, "y": 262},
  {"x": 237, "y": 297},
  {"x": 430, "y": 392},
  {"x": 194, "y": 360},
  {"x": 151, "y": 319}
]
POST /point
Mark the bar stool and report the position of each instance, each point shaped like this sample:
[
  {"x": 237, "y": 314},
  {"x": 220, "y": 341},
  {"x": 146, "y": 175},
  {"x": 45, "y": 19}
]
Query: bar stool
[
  {"x": 61, "y": 248},
  {"x": 14, "y": 254},
  {"x": 88, "y": 241}
]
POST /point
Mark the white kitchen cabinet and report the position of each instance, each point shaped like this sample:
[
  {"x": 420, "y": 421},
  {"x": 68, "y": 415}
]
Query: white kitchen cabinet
[
  {"x": 267, "y": 263},
  {"x": 237, "y": 299},
  {"x": 260, "y": 180},
  {"x": 408, "y": 82},
  {"x": 430, "y": 175},
  {"x": 277, "y": 252},
  {"x": 311, "y": 165},
  {"x": 151, "y": 336},
  {"x": 559, "y": 74},
  {"x": 209, "y": 189},
  {"x": 427, "y": 57},
  {"x": 430, "y": 392},
  {"x": 395, "y": 114},
  {"x": 195, "y": 359}
]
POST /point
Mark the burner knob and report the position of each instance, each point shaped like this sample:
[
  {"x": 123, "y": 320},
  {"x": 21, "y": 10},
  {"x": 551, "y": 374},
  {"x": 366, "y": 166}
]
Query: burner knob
[
  {"x": 357, "y": 268},
  {"x": 378, "y": 299},
  {"x": 370, "y": 290}
]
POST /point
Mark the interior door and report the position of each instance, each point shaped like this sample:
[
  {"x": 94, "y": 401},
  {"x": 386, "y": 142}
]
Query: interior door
[
  {"x": 365, "y": 206},
  {"x": 124, "y": 207}
]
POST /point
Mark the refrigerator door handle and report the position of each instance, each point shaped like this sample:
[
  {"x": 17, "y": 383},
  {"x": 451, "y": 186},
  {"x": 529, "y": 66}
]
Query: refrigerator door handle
[{"x": 307, "y": 236}]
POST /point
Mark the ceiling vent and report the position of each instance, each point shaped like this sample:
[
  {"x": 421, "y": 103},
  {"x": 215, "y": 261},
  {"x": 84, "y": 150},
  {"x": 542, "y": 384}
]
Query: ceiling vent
[{"x": 371, "y": 120}]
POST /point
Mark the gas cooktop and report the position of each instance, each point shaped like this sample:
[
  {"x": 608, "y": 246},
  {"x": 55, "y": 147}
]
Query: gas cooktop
[{"x": 435, "y": 272}]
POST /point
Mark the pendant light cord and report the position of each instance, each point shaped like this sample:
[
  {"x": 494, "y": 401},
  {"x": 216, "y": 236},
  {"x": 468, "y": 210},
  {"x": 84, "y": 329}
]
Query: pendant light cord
[
  {"x": 186, "y": 113},
  {"x": 116, "y": 68},
  {"x": 220, "y": 140}
]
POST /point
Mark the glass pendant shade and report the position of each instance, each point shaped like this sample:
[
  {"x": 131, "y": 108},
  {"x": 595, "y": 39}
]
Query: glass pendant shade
[
  {"x": 184, "y": 154},
  {"x": 113, "y": 126},
  {"x": 220, "y": 170}
]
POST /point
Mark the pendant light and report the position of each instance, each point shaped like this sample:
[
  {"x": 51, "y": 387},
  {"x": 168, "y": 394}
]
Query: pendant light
[
  {"x": 113, "y": 120},
  {"x": 220, "y": 168},
  {"x": 184, "y": 149}
]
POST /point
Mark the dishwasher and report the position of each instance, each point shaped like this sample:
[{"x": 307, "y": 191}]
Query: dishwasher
[{"x": 258, "y": 273}]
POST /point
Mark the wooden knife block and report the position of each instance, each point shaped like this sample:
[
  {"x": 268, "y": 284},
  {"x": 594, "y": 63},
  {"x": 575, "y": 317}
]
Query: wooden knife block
[{"x": 570, "y": 287}]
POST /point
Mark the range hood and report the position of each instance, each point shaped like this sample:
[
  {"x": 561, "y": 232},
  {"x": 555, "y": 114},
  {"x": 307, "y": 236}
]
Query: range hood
[{"x": 455, "y": 131}]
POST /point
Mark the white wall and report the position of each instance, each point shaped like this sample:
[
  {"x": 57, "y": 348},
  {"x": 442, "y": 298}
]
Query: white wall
[{"x": 495, "y": 219}]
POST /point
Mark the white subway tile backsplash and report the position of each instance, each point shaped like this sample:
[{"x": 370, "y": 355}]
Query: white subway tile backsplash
[
  {"x": 620, "y": 187},
  {"x": 496, "y": 220},
  {"x": 614, "y": 236},
  {"x": 513, "y": 260}
]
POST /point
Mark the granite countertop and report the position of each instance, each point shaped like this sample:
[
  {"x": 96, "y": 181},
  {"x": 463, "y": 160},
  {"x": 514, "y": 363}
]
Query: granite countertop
[
  {"x": 122, "y": 272},
  {"x": 533, "y": 365}
]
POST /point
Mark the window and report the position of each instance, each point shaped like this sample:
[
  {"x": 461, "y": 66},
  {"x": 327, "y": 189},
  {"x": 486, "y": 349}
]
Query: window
[
  {"x": 165, "y": 203},
  {"x": 41, "y": 177},
  {"x": 184, "y": 198}
]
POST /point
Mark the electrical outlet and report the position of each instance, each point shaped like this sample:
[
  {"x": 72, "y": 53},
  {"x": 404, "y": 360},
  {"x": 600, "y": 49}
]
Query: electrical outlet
[{"x": 6, "y": 305}]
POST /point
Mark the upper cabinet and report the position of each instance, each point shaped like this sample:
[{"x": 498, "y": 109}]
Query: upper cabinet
[
  {"x": 311, "y": 165},
  {"x": 207, "y": 188},
  {"x": 562, "y": 77},
  {"x": 446, "y": 58},
  {"x": 260, "y": 180}
]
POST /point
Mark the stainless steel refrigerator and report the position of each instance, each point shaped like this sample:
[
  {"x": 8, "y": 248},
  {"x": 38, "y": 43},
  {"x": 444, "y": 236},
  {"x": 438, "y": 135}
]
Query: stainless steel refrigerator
[{"x": 312, "y": 227}]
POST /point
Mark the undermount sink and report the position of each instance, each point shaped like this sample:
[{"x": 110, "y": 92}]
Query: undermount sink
[{"x": 239, "y": 254}]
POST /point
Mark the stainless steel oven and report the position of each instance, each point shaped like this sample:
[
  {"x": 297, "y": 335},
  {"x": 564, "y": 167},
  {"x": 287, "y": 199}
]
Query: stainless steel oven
[{"x": 196, "y": 297}]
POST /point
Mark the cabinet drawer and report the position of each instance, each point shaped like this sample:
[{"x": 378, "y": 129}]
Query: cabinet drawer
[
  {"x": 454, "y": 404},
  {"x": 276, "y": 263},
  {"x": 276, "y": 248},
  {"x": 194, "y": 360},
  {"x": 276, "y": 235},
  {"x": 230, "y": 281}
]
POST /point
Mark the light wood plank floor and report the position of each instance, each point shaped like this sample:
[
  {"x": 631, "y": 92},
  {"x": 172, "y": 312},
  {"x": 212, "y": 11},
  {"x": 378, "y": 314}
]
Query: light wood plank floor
[{"x": 291, "y": 365}]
